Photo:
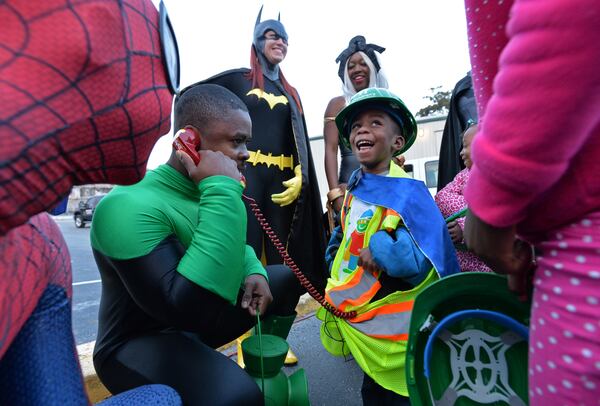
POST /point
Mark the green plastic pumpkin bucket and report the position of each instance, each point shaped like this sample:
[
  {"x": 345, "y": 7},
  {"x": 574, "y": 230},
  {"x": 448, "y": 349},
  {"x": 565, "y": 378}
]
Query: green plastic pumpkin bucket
[{"x": 468, "y": 343}]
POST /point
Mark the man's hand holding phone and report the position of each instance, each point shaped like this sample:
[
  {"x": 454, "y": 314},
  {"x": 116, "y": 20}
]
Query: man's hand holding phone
[{"x": 211, "y": 163}]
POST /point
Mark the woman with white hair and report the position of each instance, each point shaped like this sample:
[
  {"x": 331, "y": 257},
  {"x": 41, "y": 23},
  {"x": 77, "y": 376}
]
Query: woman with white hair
[{"x": 359, "y": 69}]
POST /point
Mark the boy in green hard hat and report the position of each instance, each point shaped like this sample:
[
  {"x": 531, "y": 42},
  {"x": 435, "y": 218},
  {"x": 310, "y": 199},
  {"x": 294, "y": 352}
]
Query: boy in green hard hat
[{"x": 391, "y": 244}]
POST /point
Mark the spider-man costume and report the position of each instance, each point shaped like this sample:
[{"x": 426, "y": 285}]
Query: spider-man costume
[{"x": 83, "y": 98}]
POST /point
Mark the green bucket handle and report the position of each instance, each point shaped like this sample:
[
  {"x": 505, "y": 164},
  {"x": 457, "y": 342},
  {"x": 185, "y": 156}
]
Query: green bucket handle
[{"x": 262, "y": 365}]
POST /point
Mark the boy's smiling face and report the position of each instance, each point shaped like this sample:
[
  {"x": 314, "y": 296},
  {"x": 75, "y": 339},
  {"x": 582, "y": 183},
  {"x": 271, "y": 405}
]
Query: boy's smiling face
[{"x": 375, "y": 137}]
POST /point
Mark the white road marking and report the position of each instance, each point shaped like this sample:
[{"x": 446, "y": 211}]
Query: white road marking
[{"x": 87, "y": 282}]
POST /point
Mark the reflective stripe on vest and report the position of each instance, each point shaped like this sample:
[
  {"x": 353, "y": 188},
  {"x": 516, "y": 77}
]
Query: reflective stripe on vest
[
  {"x": 359, "y": 289},
  {"x": 387, "y": 321},
  {"x": 345, "y": 206}
]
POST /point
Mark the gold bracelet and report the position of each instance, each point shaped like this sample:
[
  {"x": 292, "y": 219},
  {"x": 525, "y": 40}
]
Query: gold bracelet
[{"x": 334, "y": 194}]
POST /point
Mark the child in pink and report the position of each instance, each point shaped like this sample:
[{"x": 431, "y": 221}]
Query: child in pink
[
  {"x": 536, "y": 168},
  {"x": 451, "y": 200}
]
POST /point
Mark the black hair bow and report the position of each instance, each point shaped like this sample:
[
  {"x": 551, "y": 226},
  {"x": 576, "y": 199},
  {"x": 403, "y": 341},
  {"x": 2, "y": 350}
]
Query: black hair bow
[{"x": 358, "y": 43}]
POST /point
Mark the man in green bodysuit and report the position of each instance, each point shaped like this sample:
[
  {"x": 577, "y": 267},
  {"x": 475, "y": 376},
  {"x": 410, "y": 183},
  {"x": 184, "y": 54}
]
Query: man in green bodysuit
[{"x": 178, "y": 279}]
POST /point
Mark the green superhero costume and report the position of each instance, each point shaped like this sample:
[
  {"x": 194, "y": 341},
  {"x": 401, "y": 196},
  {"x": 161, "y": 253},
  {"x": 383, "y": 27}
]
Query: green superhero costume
[
  {"x": 173, "y": 260},
  {"x": 164, "y": 203}
]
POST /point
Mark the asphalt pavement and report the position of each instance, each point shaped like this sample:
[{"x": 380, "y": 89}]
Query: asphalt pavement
[
  {"x": 86, "y": 279},
  {"x": 331, "y": 380}
]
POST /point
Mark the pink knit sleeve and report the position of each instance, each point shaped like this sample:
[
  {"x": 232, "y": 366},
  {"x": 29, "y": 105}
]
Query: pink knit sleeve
[
  {"x": 545, "y": 101},
  {"x": 450, "y": 199}
]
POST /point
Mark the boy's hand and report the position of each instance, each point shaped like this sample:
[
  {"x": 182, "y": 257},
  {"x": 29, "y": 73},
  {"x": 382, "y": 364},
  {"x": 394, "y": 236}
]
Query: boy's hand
[
  {"x": 455, "y": 232},
  {"x": 211, "y": 163},
  {"x": 257, "y": 294},
  {"x": 337, "y": 204},
  {"x": 367, "y": 261}
]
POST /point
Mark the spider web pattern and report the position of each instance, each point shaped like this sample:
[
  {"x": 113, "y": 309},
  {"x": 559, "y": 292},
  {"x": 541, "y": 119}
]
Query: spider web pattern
[
  {"x": 83, "y": 98},
  {"x": 473, "y": 353},
  {"x": 32, "y": 256}
]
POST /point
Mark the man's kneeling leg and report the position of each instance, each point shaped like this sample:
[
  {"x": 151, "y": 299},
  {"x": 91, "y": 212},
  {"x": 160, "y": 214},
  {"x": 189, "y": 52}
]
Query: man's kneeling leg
[{"x": 285, "y": 290}]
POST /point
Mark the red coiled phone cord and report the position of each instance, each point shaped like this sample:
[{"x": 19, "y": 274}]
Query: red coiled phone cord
[{"x": 292, "y": 265}]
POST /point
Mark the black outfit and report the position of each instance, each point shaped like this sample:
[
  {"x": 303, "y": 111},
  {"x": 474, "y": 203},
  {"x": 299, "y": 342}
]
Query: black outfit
[
  {"x": 278, "y": 128},
  {"x": 374, "y": 394},
  {"x": 173, "y": 259},
  {"x": 168, "y": 335},
  {"x": 462, "y": 109},
  {"x": 348, "y": 164}
]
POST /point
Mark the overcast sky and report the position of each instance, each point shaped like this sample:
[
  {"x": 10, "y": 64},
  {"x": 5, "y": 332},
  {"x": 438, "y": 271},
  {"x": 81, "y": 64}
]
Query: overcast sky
[{"x": 425, "y": 41}]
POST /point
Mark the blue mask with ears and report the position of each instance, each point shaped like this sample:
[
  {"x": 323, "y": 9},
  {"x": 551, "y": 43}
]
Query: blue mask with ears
[
  {"x": 268, "y": 25},
  {"x": 272, "y": 72}
]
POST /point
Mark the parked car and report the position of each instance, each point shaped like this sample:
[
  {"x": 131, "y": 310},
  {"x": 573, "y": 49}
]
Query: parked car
[
  {"x": 425, "y": 169},
  {"x": 86, "y": 210}
]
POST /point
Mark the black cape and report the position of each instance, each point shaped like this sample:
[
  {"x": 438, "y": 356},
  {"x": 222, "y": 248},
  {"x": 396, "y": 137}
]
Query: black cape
[
  {"x": 462, "y": 109},
  {"x": 279, "y": 128}
]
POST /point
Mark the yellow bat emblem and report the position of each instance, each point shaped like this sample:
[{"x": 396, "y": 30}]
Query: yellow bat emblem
[{"x": 269, "y": 97}]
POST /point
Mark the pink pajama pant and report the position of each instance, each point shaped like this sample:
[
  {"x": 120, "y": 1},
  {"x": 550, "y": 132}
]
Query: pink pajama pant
[{"x": 564, "y": 347}]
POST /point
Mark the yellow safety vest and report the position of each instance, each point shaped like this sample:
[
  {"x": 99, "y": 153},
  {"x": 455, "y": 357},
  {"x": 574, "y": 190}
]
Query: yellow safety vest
[{"x": 377, "y": 336}]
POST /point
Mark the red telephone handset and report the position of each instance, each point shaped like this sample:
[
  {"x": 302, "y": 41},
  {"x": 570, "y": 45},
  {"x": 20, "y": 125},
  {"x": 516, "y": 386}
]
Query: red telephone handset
[{"x": 188, "y": 140}]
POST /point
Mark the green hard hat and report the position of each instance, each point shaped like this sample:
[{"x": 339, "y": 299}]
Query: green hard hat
[{"x": 380, "y": 99}]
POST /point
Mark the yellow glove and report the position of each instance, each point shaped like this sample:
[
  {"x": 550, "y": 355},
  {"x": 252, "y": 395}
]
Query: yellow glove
[{"x": 293, "y": 189}]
